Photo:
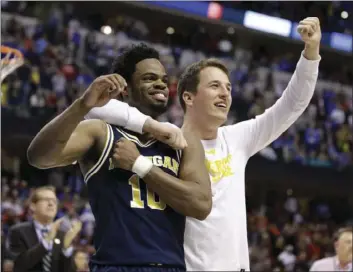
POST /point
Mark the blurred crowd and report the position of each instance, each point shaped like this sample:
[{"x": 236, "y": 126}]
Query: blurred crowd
[{"x": 62, "y": 59}]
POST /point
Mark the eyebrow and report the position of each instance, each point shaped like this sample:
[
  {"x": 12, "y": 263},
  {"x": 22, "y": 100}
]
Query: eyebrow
[
  {"x": 153, "y": 74},
  {"x": 217, "y": 81}
]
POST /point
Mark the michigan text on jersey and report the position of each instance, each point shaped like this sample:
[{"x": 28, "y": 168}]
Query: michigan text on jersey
[{"x": 160, "y": 161}]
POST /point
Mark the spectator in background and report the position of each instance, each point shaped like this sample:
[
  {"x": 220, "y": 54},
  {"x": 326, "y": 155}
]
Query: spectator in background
[
  {"x": 343, "y": 259},
  {"x": 40, "y": 245},
  {"x": 287, "y": 258}
]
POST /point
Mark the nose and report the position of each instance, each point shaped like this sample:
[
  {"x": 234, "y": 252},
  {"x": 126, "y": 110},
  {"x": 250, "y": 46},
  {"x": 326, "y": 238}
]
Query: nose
[
  {"x": 159, "y": 84},
  {"x": 223, "y": 92}
]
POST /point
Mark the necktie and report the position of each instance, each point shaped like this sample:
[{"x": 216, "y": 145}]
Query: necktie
[{"x": 47, "y": 257}]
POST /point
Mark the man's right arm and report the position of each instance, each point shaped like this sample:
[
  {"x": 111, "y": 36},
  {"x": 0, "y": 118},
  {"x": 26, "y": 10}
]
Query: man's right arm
[
  {"x": 65, "y": 139},
  {"x": 121, "y": 114},
  {"x": 24, "y": 258}
]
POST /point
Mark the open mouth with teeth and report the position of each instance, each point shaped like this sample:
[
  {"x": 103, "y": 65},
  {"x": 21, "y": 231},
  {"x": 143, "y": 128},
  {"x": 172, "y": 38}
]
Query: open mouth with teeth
[
  {"x": 221, "y": 105},
  {"x": 159, "y": 96}
]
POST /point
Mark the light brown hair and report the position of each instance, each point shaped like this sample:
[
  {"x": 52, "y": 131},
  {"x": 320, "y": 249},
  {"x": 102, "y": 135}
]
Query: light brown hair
[
  {"x": 190, "y": 78},
  {"x": 34, "y": 196}
]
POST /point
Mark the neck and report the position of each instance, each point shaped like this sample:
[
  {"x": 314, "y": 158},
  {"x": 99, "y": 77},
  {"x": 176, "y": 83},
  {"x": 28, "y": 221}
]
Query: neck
[
  {"x": 343, "y": 263},
  {"x": 204, "y": 130},
  {"x": 43, "y": 221}
]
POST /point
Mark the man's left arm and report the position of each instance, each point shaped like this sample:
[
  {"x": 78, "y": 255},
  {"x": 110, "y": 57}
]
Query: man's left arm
[
  {"x": 190, "y": 194},
  {"x": 268, "y": 126}
]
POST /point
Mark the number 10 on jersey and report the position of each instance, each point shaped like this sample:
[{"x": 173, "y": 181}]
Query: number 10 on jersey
[{"x": 137, "y": 201}]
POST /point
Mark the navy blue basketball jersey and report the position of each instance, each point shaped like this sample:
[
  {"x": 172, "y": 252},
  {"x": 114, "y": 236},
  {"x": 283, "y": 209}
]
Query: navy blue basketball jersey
[{"x": 133, "y": 226}]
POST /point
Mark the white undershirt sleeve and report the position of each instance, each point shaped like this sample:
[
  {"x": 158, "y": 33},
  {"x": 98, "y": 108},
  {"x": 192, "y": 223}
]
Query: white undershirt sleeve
[
  {"x": 259, "y": 132},
  {"x": 120, "y": 114}
]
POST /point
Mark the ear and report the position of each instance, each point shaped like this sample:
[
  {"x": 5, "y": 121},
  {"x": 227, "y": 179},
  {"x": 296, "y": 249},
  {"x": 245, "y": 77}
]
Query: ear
[
  {"x": 188, "y": 98},
  {"x": 32, "y": 207},
  {"x": 125, "y": 92}
]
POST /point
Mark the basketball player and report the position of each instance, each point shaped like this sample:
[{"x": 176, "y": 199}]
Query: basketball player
[
  {"x": 130, "y": 187},
  {"x": 220, "y": 242},
  {"x": 343, "y": 259}
]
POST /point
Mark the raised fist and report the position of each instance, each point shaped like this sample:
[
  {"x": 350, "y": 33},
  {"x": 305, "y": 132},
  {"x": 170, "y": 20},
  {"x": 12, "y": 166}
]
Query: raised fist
[
  {"x": 310, "y": 31},
  {"x": 102, "y": 90}
]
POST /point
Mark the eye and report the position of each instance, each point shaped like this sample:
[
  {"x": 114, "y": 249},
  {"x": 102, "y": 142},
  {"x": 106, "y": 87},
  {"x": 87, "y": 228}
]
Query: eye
[
  {"x": 149, "y": 78},
  {"x": 214, "y": 85}
]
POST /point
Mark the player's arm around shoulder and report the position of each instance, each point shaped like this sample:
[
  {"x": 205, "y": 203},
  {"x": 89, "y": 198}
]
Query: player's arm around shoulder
[
  {"x": 189, "y": 193},
  {"x": 193, "y": 170}
]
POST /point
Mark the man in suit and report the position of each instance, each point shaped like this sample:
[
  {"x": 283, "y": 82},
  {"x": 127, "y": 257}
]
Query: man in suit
[
  {"x": 342, "y": 261},
  {"x": 40, "y": 245}
]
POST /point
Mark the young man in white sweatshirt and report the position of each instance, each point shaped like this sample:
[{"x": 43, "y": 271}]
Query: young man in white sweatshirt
[{"x": 220, "y": 241}]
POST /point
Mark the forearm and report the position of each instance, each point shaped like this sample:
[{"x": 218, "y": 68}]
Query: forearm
[
  {"x": 185, "y": 197},
  {"x": 120, "y": 114},
  {"x": 52, "y": 139},
  {"x": 311, "y": 52},
  {"x": 270, "y": 125}
]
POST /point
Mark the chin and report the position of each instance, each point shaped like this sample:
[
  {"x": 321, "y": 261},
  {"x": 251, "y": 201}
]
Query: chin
[
  {"x": 221, "y": 118},
  {"x": 158, "y": 109}
]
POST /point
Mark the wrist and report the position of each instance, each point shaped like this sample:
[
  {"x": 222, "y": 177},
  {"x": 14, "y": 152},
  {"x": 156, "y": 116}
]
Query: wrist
[
  {"x": 142, "y": 166},
  {"x": 82, "y": 106},
  {"x": 149, "y": 125},
  {"x": 312, "y": 52}
]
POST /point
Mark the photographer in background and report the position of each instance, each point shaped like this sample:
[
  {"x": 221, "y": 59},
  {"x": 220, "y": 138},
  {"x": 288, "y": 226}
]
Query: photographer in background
[{"x": 42, "y": 245}]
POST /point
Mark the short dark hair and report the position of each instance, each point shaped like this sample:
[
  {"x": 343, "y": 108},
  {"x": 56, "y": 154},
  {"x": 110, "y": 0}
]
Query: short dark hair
[
  {"x": 340, "y": 231},
  {"x": 125, "y": 64},
  {"x": 190, "y": 78},
  {"x": 34, "y": 196}
]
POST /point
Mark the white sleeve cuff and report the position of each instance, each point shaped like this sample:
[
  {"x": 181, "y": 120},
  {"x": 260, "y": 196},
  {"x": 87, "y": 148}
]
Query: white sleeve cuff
[
  {"x": 136, "y": 120},
  {"x": 308, "y": 67},
  {"x": 68, "y": 252}
]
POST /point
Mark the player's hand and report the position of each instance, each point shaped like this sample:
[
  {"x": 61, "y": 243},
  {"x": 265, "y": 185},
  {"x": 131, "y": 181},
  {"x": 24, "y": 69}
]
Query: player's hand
[
  {"x": 310, "y": 33},
  {"x": 102, "y": 90},
  {"x": 125, "y": 154},
  {"x": 72, "y": 233},
  {"x": 166, "y": 133}
]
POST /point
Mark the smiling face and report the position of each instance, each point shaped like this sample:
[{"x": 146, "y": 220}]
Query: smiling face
[
  {"x": 149, "y": 88},
  {"x": 212, "y": 99}
]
